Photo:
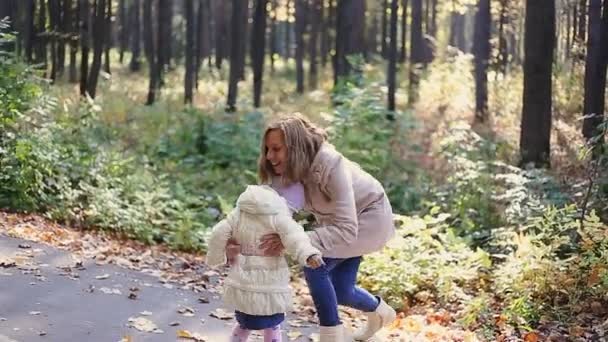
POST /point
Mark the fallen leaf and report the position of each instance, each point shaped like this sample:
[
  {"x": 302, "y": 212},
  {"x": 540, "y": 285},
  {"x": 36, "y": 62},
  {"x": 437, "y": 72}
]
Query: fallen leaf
[
  {"x": 42, "y": 333},
  {"x": 191, "y": 336},
  {"x": 126, "y": 339},
  {"x": 110, "y": 291},
  {"x": 531, "y": 337},
  {"x": 34, "y": 313},
  {"x": 102, "y": 277},
  {"x": 314, "y": 337},
  {"x": 132, "y": 296},
  {"x": 24, "y": 246},
  {"x": 222, "y": 314},
  {"x": 144, "y": 324},
  {"x": 145, "y": 313},
  {"x": 174, "y": 324},
  {"x": 412, "y": 325},
  {"x": 203, "y": 300}
]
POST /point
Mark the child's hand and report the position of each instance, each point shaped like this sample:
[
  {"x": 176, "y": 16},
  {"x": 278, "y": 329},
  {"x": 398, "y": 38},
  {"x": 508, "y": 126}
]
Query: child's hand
[{"x": 315, "y": 261}]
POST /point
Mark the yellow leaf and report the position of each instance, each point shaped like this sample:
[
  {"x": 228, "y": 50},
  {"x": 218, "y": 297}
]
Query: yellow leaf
[
  {"x": 531, "y": 337},
  {"x": 293, "y": 335},
  {"x": 412, "y": 325}
]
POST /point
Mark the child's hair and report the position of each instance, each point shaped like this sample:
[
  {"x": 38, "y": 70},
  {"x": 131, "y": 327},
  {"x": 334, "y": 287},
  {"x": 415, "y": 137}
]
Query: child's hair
[{"x": 303, "y": 140}]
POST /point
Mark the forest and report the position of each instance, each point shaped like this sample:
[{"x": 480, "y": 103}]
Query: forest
[{"x": 137, "y": 123}]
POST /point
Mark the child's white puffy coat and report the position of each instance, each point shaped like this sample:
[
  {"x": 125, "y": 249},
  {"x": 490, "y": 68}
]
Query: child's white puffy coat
[{"x": 256, "y": 284}]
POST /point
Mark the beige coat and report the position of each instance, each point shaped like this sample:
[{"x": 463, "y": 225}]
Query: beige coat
[
  {"x": 256, "y": 284},
  {"x": 353, "y": 213}
]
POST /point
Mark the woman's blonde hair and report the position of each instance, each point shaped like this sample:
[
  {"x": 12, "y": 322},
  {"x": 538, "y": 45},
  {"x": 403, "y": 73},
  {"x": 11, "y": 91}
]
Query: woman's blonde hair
[{"x": 303, "y": 140}]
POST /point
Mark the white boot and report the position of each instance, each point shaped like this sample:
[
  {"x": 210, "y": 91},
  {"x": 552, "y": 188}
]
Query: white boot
[
  {"x": 331, "y": 334},
  {"x": 383, "y": 316}
]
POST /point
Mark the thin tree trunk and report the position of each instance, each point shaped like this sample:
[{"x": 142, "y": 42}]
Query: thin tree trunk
[
  {"x": 300, "y": 48},
  {"x": 99, "y": 29},
  {"x": 28, "y": 28},
  {"x": 108, "y": 37},
  {"x": 238, "y": 7},
  {"x": 202, "y": 45},
  {"x": 64, "y": 28},
  {"x": 150, "y": 52},
  {"x": 349, "y": 36},
  {"x": 392, "y": 60},
  {"x": 416, "y": 49},
  {"x": 273, "y": 36},
  {"x": 190, "y": 66},
  {"x": 258, "y": 44},
  {"x": 54, "y": 12},
  {"x": 42, "y": 38},
  {"x": 483, "y": 22},
  {"x": 220, "y": 31},
  {"x": 403, "y": 55},
  {"x": 135, "y": 37},
  {"x": 595, "y": 72},
  {"x": 163, "y": 46},
  {"x": 503, "y": 56},
  {"x": 316, "y": 12},
  {"x": 325, "y": 33},
  {"x": 85, "y": 42},
  {"x": 124, "y": 29},
  {"x": 287, "y": 54},
  {"x": 384, "y": 40}
]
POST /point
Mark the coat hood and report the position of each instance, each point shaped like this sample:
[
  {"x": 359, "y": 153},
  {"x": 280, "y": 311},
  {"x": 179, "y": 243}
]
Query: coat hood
[{"x": 261, "y": 200}]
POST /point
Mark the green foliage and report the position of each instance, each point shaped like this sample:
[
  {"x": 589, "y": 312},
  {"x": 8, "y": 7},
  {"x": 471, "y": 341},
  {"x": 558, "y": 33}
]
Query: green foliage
[{"x": 426, "y": 256}]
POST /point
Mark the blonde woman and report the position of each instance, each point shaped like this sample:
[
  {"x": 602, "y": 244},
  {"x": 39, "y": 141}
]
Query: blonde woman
[{"x": 353, "y": 218}]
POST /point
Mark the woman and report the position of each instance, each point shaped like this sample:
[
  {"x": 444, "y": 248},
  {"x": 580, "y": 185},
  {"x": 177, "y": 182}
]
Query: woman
[{"x": 353, "y": 214}]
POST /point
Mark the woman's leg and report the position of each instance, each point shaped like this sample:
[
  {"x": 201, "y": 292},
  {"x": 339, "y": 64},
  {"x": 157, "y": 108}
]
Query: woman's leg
[
  {"x": 323, "y": 293},
  {"x": 272, "y": 334},
  {"x": 344, "y": 279}
]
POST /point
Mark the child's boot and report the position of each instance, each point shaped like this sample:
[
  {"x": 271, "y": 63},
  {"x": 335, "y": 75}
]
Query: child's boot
[
  {"x": 383, "y": 316},
  {"x": 332, "y": 334}
]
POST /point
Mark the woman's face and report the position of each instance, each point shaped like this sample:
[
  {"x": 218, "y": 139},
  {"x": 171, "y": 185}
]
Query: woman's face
[{"x": 276, "y": 151}]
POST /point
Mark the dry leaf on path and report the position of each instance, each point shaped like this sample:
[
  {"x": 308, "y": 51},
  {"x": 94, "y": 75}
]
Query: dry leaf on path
[
  {"x": 314, "y": 337},
  {"x": 144, "y": 324},
  {"x": 222, "y": 314},
  {"x": 531, "y": 337},
  {"x": 107, "y": 290},
  {"x": 102, "y": 277},
  {"x": 294, "y": 335},
  {"x": 191, "y": 336}
]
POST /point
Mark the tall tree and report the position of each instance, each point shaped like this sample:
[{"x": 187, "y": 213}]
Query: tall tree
[
  {"x": 595, "y": 69},
  {"x": 457, "y": 30},
  {"x": 384, "y": 40},
  {"x": 301, "y": 14},
  {"x": 135, "y": 30},
  {"x": 163, "y": 45},
  {"x": 54, "y": 21},
  {"x": 28, "y": 10},
  {"x": 238, "y": 6},
  {"x": 85, "y": 43},
  {"x": 258, "y": 44},
  {"x": 190, "y": 60},
  {"x": 350, "y": 20},
  {"x": 124, "y": 29},
  {"x": 539, "y": 43},
  {"x": 416, "y": 49},
  {"x": 273, "y": 35},
  {"x": 150, "y": 51},
  {"x": 99, "y": 32},
  {"x": 202, "y": 38},
  {"x": 220, "y": 33},
  {"x": 392, "y": 59},
  {"x": 41, "y": 36},
  {"x": 481, "y": 49},
  {"x": 316, "y": 12},
  {"x": 404, "y": 6},
  {"x": 72, "y": 15},
  {"x": 108, "y": 37},
  {"x": 325, "y": 26}
]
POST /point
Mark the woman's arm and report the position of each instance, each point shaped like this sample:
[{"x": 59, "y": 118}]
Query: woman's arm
[
  {"x": 343, "y": 226},
  {"x": 294, "y": 239}
]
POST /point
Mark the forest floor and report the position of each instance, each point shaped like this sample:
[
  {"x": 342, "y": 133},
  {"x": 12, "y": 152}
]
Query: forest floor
[{"x": 65, "y": 284}]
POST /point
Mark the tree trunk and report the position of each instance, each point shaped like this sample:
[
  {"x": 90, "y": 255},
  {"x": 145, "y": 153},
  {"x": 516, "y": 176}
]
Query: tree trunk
[
  {"x": 595, "y": 71},
  {"x": 503, "y": 55},
  {"x": 124, "y": 29},
  {"x": 85, "y": 43},
  {"x": 350, "y": 18},
  {"x": 150, "y": 51},
  {"x": 535, "y": 138},
  {"x": 287, "y": 53},
  {"x": 258, "y": 44},
  {"x": 135, "y": 37},
  {"x": 74, "y": 35},
  {"x": 64, "y": 29},
  {"x": 273, "y": 36},
  {"x": 324, "y": 19},
  {"x": 392, "y": 60},
  {"x": 238, "y": 6},
  {"x": 220, "y": 31},
  {"x": 108, "y": 37},
  {"x": 457, "y": 32},
  {"x": 384, "y": 40},
  {"x": 582, "y": 21},
  {"x": 28, "y": 28},
  {"x": 163, "y": 46},
  {"x": 403, "y": 55},
  {"x": 483, "y": 22},
  {"x": 416, "y": 49},
  {"x": 99, "y": 29},
  {"x": 300, "y": 48},
  {"x": 54, "y": 20},
  {"x": 316, "y": 12},
  {"x": 41, "y": 37},
  {"x": 433, "y": 28},
  {"x": 202, "y": 43},
  {"x": 190, "y": 66}
]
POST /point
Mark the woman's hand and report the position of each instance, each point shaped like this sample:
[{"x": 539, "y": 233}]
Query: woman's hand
[
  {"x": 315, "y": 261},
  {"x": 272, "y": 245},
  {"x": 233, "y": 249}
]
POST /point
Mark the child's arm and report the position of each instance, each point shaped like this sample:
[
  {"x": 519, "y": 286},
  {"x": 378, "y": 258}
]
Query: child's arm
[
  {"x": 296, "y": 241},
  {"x": 216, "y": 248}
]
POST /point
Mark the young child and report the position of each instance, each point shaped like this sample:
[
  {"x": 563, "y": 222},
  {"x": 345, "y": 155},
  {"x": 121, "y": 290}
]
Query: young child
[{"x": 257, "y": 286}]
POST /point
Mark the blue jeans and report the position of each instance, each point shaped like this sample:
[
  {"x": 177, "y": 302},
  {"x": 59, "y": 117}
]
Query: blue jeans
[{"x": 334, "y": 284}]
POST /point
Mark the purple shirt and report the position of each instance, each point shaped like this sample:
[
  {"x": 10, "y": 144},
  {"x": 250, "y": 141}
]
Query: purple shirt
[{"x": 292, "y": 193}]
